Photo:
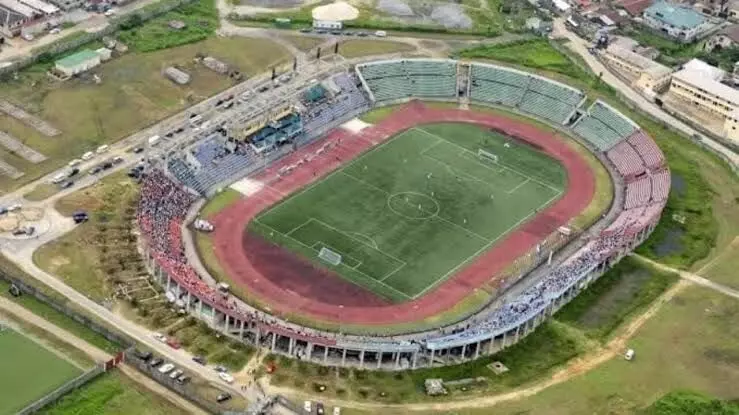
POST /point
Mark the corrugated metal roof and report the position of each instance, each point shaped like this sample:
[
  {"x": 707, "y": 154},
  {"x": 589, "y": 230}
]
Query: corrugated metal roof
[
  {"x": 77, "y": 58},
  {"x": 675, "y": 15}
]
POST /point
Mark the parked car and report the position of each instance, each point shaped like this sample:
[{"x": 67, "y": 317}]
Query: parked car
[
  {"x": 176, "y": 374},
  {"x": 183, "y": 379},
  {"x": 107, "y": 165},
  {"x": 320, "y": 410},
  {"x": 159, "y": 336},
  {"x": 337, "y": 410},
  {"x": 3, "y": 210},
  {"x": 306, "y": 30},
  {"x": 66, "y": 185},
  {"x": 14, "y": 207},
  {"x": 73, "y": 172},
  {"x": 220, "y": 369},
  {"x": 199, "y": 359},
  {"x": 88, "y": 156},
  {"x": 226, "y": 377},
  {"x": 80, "y": 216},
  {"x": 138, "y": 150},
  {"x": 173, "y": 343},
  {"x": 308, "y": 406},
  {"x": 55, "y": 31},
  {"x": 102, "y": 149},
  {"x": 58, "y": 178},
  {"x": 145, "y": 356},
  {"x": 156, "y": 362},
  {"x": 118, "y": 160},
  {"x": 166, "y": 368},
  {"x": 223, "y": 397},
  {"x": 96, "y": 170}
]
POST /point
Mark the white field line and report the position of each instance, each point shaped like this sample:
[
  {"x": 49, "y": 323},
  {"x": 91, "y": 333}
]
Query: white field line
[
  {"x": 462, "y": 173},
  {"x": 518, "y": 186},
  {"x": 360, "y": 272},
  {"x": 463, "y": 229},
  {"x": 484, "y": 248},
  {"x": 499, "y": 164}
]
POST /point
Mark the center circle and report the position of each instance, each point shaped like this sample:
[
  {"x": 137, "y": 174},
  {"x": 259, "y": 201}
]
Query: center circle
[{"x": 413, "y": 205}]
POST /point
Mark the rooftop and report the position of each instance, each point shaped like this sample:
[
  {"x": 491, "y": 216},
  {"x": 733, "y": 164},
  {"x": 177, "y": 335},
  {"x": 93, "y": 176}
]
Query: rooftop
[
  {"x": 77, "y": 58},
  {"x": 705, "y": 70},
  {"x": 635, "y": 7},
  {"x": 713, "y": 87},
  {"x": 675, "y": 15},
  {"x": 647, "y": 65},
  {"x": 732, "y": 32}
]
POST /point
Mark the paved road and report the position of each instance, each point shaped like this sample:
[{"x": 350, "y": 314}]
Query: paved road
[
  {"x": 580, "y": 46},
  {"x": 95, "y": 353}
]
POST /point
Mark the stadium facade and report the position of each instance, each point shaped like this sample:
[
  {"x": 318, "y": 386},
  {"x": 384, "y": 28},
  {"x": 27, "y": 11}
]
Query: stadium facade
[{"x": 637, "y": 166}]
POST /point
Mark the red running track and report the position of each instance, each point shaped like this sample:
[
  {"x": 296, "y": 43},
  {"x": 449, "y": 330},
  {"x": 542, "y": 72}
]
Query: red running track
[{"x": 292, "y": 285}]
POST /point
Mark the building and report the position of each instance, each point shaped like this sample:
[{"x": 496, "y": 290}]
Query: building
[
  {"x": 67, "y": 5},
  {"x": 327, "y": 24},
  {"x": 679, "y": 22},
  {"x": 11, "y": 22},
  {"x": 77, "y": 63},
  {"x": 726, "y": 38},
  {"x": 538, "y": 26},
  {"x": 645, "y": 74},
  {"x": 635, "y": 8},
  {"x": 698, "y": 94}
]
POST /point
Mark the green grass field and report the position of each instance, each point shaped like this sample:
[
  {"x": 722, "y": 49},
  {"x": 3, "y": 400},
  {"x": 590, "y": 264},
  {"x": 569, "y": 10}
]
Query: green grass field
[
  {"x": 409, "y": 213},
  {"x": 29, "y": 371}
]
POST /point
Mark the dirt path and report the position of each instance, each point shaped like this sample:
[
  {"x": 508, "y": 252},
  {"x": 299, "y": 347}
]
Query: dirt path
[{"x": 96, "y": 354}]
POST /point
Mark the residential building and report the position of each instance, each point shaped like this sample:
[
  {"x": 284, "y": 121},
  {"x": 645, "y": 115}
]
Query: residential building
[
  {"x": 677, "y": 21},
  {"x": 726, "y": 38},
  {"x": 645, "y": 74},
  {"x": 79, "y": 62},
  {"x": 635, "y": 7},
  {"x": 698, "y": 94}
]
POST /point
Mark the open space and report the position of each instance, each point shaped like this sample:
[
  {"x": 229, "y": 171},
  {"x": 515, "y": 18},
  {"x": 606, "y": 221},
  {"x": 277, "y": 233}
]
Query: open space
[
  {"x": 409, "y": 213},
  {"x": 29, "y": 370}
]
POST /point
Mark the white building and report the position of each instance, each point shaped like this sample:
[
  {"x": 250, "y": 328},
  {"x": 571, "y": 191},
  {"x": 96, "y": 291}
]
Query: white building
[
  {"x": 79, "y": 62},
  {"x": 645, "y": 74},
  {"x": 327, "y": 24}
]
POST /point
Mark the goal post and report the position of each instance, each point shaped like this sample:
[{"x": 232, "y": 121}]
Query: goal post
[
  {"x": 486, "y": 155},
  {"x": 327, "y": 255}
]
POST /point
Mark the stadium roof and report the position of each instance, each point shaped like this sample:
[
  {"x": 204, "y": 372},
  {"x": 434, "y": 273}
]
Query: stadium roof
[
  {"x": 675, "y": 15},
  {"x": 77, "y": 58},
  {"x": 699, "y": 80}
]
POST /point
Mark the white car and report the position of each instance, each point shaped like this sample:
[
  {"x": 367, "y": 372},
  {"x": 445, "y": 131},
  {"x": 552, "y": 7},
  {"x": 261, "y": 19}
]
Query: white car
[
  {"x": 88, "y": 156},
  {"x": 307, "y": 406},
  {"x": 102, "y": 149},
  {"x": 226, "y": 377},
  {"x": 176, "y": 374},
  {"x": 159, "y": 336},
  {"x": 55, "y": 31},
  {"x": 110, "y": 12},
  {"x": 337, "y": 410},
  {"x": 166, "y": 368},
  {"x": 14, "y": 207},
  {"x": 75, "y": 162}
]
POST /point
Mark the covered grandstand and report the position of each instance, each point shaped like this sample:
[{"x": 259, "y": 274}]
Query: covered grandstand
[{"x": 636, "y": 162}]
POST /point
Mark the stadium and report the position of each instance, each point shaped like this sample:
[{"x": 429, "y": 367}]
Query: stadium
[{"x": 437, "y": 235}]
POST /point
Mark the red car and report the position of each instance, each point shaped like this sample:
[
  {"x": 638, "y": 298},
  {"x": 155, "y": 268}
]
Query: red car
[{"x": 173, "y": 343}]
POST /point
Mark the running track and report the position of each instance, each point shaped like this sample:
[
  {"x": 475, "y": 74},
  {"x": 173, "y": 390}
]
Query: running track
[{"x": 291, "y": 285}]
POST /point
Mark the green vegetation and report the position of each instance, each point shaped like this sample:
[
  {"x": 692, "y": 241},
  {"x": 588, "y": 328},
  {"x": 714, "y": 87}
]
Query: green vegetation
[
  {"x": 67, "y": 323},
  {"x": 132, "y": 88},
  {"x": 100, "y": 254},
  {"x": 671, "y": 53},
  {"x": 112, "y": 394},
  {"x": 608, "y": 302},
  {"x": 549, "y": 346},
  {"x": 220, "y": 202},
  {"x": 29, "y": 371},
  {"x": 428, "y": 185},
  {"x": 41, "y": 192},
  {"x": 531, "y": 53},
  {"x": 200, "y": 17},
  {"x": 691, "y": 403}
]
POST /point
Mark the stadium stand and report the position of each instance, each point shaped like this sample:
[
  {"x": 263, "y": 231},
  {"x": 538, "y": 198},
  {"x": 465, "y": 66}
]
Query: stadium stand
[
  {"x": 538, "y": 96},
  {"x": 392, "y": 80},
  {"x": 637, "y": 159},
  {"x": 603, "y": 126}
]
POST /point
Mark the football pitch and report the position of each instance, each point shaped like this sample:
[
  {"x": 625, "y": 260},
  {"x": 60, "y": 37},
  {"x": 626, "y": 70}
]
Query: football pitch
[
  {"x": 28, "y": 371},
  {"x": 409, "y": 213}
]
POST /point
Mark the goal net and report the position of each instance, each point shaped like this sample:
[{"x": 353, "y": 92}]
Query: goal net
[
  {"x": 486, "y": 155},
  {"x": 332, "y": 257}
]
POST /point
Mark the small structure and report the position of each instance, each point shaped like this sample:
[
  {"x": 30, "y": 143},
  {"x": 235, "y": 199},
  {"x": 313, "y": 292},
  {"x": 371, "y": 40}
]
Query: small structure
[
  {"x": 434, "y": 387},
  {"x": 327, "y": 24},
  {"x": 726, "y": 38},
  {"x": 104, "y": 53},
  {"x": 498, "y": 367},
  {"x": 176, "y": 24},
  {"x": 215, "y": 65},
  {"x": 79, "y": 62},
  {"x": 538, "y": 26},
  {"x": 177, "y": 76}
]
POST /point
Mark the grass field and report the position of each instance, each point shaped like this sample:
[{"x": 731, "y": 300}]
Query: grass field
[
  {"x": 112, "y": 394},
  {"x": 29, "y": 371},
  {"x": 411, "y": 212}
]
